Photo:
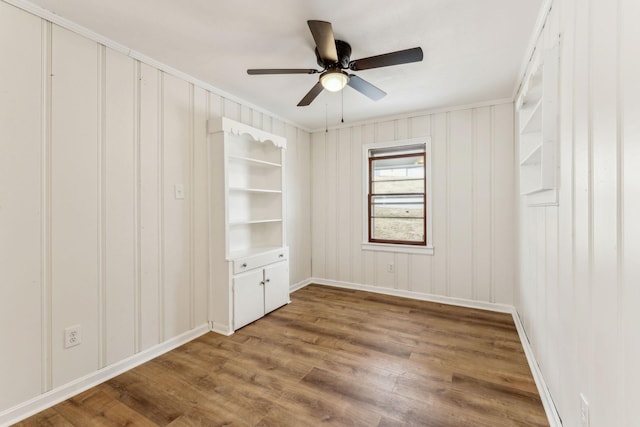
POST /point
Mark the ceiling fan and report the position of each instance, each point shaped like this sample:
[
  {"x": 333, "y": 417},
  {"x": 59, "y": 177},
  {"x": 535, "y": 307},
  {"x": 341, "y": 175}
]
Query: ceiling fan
[{"x": 334, "y": 56}]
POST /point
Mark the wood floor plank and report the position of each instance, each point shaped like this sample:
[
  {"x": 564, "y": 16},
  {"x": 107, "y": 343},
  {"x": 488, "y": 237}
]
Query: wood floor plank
[{"x": 334, "y": 357}]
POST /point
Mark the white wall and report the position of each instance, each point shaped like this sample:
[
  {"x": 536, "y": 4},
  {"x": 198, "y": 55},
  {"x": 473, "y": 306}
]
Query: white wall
[
  {"x": 473, "y": 209},
  {"x": 91, "y": 145},
  {"x": 579, "y": 286}
]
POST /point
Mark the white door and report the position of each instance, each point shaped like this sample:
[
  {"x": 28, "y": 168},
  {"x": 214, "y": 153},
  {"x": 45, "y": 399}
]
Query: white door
[
  {"x": 248, "y": 298},
  {"x": 276, "y": 287}
]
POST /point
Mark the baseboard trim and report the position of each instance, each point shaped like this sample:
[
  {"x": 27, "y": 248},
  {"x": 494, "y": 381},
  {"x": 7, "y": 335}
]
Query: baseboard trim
[
  {"x": 300, "y": 285},
  {"x": 59, "y": 394},
  {"x": 543, "y": 390},
  {"x": 222, "y": 329},
  {"x": 547, "y": 401},
  {"x": 461, "y": 302}
]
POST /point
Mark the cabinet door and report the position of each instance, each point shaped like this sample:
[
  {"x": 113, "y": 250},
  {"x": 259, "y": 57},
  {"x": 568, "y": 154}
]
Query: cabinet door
[
  {"x": 276, "y": 288},
  {"x": 248, "y": 298}
]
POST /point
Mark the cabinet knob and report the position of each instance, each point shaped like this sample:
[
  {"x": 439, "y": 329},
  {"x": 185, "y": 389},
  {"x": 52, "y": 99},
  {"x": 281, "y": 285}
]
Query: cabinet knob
[
  {"x": 262, "y": 283},
  {"x": 267, "y": 281},
  {"x": 281, "y": 256},
  {"x": 244, "y": 265}
]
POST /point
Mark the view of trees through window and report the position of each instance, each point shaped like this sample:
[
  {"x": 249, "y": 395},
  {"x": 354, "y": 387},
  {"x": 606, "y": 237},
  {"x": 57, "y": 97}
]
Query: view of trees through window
[{"x": 397, "y": 198}]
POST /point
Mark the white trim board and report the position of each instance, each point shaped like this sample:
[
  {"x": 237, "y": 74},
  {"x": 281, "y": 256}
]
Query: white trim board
[
  {"x": 460, "y": 302},
  {"x": 547, "y": 401},
  {"x": 545, "y": 396},
  {"x": 59, "y": 394}
]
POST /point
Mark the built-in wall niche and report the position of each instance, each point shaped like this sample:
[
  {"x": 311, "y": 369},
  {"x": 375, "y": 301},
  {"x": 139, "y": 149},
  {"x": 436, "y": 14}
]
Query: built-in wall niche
[{"x": 537, "y": 108}]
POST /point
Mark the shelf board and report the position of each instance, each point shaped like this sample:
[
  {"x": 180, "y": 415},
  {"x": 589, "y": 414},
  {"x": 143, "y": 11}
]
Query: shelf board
[
  {"x": 255, "y": 190},
  {"x": 533, "y": 157},
  {"x": 532, "y": 122},
  {"x": 257, "y": 221},
  {"x": 255, "y": 161}
]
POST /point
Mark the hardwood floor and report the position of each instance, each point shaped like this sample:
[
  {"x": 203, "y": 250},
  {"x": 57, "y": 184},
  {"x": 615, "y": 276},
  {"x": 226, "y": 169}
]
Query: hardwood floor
[{"x": 332, "y": 357}]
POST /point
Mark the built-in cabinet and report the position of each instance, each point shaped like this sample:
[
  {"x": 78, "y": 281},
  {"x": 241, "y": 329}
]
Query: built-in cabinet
[
  {"x": 537, "y": 108},
  {"x": 249, "y": 258}
]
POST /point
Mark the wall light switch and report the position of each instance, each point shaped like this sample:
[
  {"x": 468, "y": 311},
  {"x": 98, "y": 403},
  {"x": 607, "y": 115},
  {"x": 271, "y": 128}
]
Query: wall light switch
[{"x": 179, "y": 191}]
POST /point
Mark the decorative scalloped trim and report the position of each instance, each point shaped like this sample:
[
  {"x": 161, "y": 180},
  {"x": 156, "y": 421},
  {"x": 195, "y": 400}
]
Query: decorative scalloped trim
[{"x": 225, "y": 124}]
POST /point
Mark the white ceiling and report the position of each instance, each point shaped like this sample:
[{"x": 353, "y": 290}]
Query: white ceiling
[{"x": 473, "y": 49}]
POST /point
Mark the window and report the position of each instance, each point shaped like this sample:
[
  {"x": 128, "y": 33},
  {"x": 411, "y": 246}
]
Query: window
[{"x": 397, "y": 197}]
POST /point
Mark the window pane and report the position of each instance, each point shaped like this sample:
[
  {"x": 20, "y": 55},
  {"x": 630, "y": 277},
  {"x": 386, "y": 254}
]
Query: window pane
[
  {"x": 397, "y": 206},
  {"x": 398, "y": 186},
  {"x": 398, "y": 175},
  {"x": 405, "y": 229}
]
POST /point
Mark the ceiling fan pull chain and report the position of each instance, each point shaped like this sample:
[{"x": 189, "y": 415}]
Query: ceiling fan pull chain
[
  {"x": 342, "y": 106},
  {"x": 326, "y": 118}
]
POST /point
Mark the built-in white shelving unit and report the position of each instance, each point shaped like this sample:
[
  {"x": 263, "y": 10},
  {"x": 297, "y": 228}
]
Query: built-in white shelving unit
[
  {"x": 249, "y": 257},
  {"x": 537, "y": 108}
]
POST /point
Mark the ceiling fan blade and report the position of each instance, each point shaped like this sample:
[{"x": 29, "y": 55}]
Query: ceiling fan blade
[
  {"x": 325, "y": 42},
  {"x": 365, "y": 88},
  {"x": 311, "y": 95},
  {"x": 282, "y": 71},
  {"x": 392, "y": 58}
]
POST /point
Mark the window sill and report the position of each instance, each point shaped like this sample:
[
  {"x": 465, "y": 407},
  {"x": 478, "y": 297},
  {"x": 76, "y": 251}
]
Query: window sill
[{"x": 406, "y": 249}]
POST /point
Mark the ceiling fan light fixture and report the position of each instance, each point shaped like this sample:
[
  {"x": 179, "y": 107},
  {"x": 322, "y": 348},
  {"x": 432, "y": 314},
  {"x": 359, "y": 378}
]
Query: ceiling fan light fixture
[{"x": 334, "y": 80}]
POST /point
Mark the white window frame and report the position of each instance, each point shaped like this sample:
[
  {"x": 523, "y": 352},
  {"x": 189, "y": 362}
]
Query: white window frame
[{"x": 389, "y": 247}]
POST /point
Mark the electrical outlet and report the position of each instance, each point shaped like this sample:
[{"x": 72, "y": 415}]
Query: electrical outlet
[
  {"x": 584, "y": 411},
  {"x": 72, "y": 336},
  {"x": 390, "y": 267}
]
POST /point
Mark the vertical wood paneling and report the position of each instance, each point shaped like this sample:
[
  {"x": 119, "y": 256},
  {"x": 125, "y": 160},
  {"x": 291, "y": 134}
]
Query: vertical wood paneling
[
  {"x": 176, "y": 132},
  {"x": 604, "y": 74},
  {"x": 629, "y": 295},
  {"x": 502, "y": 218},
  {"x": 302, "y": 234},
  {"x": 439, "y": 175},
  {"x": 552, "y": 303},
  {"x": 460, "y": 201},
  {"x": 119, "y": 206},
  {"x": 466, "y": 145},
  {"x": 318, "y": 217},
  {"x": 200, "y": 226},
  {"x": 330, "y": 208},
  {"x": 482, "y": 232},
  {"x": 586, "y": 287},
  {"x": 231, "y": 109},
  {"x": 385, "y": 131},
  {"x": 384, "y": 278},
  {"x": 564, "y": 395},
  {"x": 355, "y": 189},
  {"x": 343, "y": 208},
  {"x": 91, "y": 233},
  {"x": 74, "y": 203},
  {"x": 150, "y": 314},
  {"x": 582, "y": 203},
  {"x": 22, "y": 204},
  {"x": 292, "y": 196}
]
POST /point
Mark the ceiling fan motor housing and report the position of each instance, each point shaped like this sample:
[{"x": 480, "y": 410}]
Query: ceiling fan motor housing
[{"x": 344, "y": 56}]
